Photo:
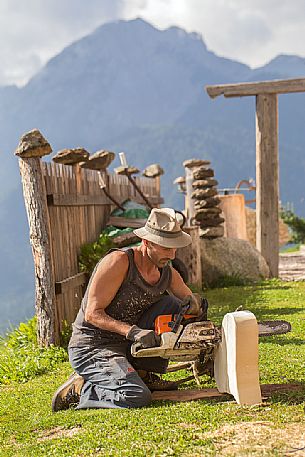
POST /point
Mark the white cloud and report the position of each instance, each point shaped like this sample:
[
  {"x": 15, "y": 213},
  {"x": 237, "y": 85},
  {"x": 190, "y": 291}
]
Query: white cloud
[
  {"x": 32, "y": 31},
  {"x": 251, "y": 31}
]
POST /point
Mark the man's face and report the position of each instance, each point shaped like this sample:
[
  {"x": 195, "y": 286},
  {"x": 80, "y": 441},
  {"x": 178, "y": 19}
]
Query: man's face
[{"x": 159, "y": 255}]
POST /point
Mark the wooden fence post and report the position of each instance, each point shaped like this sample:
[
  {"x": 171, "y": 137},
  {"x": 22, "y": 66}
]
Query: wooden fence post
[{"x": 31, "y": 148}]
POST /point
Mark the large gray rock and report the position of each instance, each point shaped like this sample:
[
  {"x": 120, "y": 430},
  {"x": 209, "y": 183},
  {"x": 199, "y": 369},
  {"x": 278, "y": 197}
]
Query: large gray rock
[{"x": 224, "y": 258}]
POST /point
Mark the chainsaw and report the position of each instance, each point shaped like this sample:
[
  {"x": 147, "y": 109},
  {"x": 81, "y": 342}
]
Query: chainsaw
[{"x": 187, "y": 338}]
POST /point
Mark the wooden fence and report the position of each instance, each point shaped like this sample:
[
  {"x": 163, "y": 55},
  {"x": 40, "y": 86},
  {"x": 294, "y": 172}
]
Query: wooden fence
[{"x": 66, "y": 208}]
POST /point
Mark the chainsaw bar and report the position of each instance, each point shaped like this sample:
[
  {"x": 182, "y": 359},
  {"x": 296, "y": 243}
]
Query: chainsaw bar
[{"x": 270, "y": 328}]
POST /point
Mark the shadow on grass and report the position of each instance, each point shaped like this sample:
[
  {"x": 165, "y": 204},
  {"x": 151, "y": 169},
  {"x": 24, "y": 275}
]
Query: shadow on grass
[
  {"x": 293, "y": 397},
  {"x": 281, "y": 341}
]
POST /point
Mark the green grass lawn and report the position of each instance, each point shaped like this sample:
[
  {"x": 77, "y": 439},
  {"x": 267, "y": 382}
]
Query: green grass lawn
[{"x": 199, "y": 428}]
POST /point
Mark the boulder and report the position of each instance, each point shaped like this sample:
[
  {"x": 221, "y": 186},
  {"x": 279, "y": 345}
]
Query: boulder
[
  {"x": 123, "y": 170},
  {"x": 71, "y": 156},
  {"x": 212, "y": 232},
  {"x": 191, "y": 163},
  {"x": 209, "y": 211},
  {"x": 209, "y": 202},
  {"x": 203, "y": 173},
  {"x": 200, "y": 194},
  {"x": 208, "y": 221},
  {"x": 231, "y": 258},
  {"x": 153, "y": 171},
  {"x": 100, "y": 160},
  {"x": 33, "y": 144},
  {"x": 202, "y": 183}
]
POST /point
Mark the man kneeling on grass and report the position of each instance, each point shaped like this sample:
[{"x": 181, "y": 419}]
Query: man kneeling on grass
[{"x": 127, "y": 291}]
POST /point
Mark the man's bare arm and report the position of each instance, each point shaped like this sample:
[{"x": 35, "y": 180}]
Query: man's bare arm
[
  {"x": 104, "y": 286},
  {"x": 178, "y": 286},
  {"x": 181, "y": 290}
]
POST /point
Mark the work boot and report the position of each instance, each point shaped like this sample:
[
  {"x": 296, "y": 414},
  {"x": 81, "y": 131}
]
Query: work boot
[
  {"x": 154, "y": 382},
  {"x": 68, "y": 394}
]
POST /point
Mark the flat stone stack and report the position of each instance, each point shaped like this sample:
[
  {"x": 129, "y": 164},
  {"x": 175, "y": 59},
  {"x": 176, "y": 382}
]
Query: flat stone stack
[{"x": 206, "y": 201}]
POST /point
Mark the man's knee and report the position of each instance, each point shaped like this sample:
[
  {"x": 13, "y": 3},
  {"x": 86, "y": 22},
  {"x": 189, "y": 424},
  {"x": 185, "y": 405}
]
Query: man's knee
[{"x": 136, "y": 398}]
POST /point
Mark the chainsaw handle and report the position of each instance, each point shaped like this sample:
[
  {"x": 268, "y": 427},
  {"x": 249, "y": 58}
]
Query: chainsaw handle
[{"x": 135, "y": 347}]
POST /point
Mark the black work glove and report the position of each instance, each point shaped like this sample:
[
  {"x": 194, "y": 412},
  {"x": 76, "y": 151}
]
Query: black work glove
[
  {"x": 194, "y": 302},
  {"x": 146, "y": 338}
]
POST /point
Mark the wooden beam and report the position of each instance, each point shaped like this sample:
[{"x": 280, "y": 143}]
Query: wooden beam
[
  {"x": 67, "y": 284},
  {"x": 267, "y": 180},
  {"x": 87, "y": 200},
  {"x": 77, "y": 200},
  {"x": 126, "y": 222},
  {"x": 280, "y": 86}
]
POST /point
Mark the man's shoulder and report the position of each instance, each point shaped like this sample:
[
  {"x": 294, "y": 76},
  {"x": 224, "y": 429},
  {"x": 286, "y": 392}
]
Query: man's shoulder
[{"x": 115, "y": 259}]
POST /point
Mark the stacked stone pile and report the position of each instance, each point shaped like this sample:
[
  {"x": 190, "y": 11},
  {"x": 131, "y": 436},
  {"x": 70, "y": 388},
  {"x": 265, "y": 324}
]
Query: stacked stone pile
[{"x": 206, "y": 201}]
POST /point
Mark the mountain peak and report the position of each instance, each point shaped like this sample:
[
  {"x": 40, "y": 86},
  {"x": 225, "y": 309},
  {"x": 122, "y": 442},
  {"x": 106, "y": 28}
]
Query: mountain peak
[{"x": 283, "y": 66}]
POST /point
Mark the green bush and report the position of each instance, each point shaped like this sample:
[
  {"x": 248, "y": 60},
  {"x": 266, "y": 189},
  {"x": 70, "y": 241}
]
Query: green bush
[
  {"x": 91, "y": 253},
  {"x": 296, "y": 225},
  {"x": 22, "y": 359}
]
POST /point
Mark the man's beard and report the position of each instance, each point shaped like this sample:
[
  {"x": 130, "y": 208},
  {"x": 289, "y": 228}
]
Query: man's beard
[{"x": 160, "y": 263}]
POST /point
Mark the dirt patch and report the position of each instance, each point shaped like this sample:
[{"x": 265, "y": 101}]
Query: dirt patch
[
  {"x": 58, "y": 432},
  {"x": 259, "y": 439}
]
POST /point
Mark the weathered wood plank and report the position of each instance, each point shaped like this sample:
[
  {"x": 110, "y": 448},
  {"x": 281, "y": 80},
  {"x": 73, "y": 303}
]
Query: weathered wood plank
[
  {"x": 186, "y": 395},
  {"x": 69, "y": 283},
  {"x": 267, "y": 180},
  {"x": 199, "y": 394},
  {"x": 280, "y": 86},
  {"x": 125, "y": 222},
  {"x": 88, "y": 200}
]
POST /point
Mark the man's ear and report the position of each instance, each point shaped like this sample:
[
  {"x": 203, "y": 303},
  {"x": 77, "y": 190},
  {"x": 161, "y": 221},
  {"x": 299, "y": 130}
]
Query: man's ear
[{"x": 145, "y": 242}]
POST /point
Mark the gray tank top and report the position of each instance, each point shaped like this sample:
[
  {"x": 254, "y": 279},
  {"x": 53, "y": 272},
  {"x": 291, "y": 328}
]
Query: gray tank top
[{"x": 134, "y": 296}]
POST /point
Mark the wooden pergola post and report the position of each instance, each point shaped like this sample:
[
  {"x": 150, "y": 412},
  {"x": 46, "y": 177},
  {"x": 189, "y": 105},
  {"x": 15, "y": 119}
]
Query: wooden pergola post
[
  {"x": 267, "y": 175},
  {"x": 267, "y": 163},
  {"x": 31, "y": 148}
]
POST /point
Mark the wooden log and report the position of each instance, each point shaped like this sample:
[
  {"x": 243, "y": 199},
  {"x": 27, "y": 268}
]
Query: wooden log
[
  {"x": 267, "y": 180},
  {"x": 280, "y": 86},
  {"x": 40, "y": 235},
  {"x": 125, "y": 240},
  {"x": 190, "y": 256}
]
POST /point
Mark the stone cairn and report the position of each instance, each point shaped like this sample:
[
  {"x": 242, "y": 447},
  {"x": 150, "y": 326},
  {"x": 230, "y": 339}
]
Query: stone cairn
[{"x": 205, "y": 200}]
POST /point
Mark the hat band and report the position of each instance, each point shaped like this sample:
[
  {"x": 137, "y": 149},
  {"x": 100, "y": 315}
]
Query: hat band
[{"x": 163, "y": 233}]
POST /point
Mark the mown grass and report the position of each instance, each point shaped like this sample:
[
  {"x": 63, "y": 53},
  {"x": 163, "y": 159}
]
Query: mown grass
[{"x": 28, "y": 427}]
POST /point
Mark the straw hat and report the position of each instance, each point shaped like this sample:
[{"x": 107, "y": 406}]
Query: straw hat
[{"x": 163, "y": 228}]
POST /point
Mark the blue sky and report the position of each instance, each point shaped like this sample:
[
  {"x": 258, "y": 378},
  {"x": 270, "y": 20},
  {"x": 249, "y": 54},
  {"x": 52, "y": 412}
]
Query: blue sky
[{"x": 251, "y": 31}]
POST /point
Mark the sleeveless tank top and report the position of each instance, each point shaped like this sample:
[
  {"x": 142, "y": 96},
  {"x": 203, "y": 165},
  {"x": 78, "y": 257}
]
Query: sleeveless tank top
[{"x": 134, "y": 296}]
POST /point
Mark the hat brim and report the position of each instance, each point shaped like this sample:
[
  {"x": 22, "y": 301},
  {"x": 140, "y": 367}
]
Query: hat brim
[{"x": 180, "y": 241}]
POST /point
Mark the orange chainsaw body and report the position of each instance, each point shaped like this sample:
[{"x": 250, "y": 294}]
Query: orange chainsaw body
[{"x": 162, "y": 322}]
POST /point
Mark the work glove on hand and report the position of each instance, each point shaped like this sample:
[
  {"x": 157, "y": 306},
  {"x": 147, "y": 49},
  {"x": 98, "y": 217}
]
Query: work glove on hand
[
  {"x": 195, "y": 304},
  {"x": 146, "y": 338}
]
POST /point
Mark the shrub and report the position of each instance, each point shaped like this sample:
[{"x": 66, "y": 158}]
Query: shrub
[
  {"x": 296, "y": 225},
  {"x": 22, "y": 359}
]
